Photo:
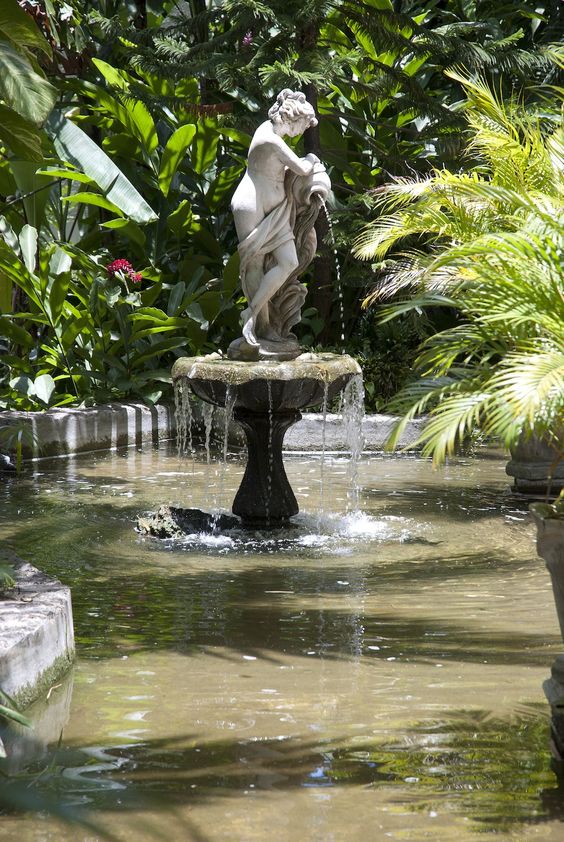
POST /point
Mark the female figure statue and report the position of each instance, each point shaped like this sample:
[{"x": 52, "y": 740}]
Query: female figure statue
[{"x": 275, "y": 207}]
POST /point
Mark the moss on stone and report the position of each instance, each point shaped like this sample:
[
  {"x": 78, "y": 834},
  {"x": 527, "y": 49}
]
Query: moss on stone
[{"x": 33, "y": 691}]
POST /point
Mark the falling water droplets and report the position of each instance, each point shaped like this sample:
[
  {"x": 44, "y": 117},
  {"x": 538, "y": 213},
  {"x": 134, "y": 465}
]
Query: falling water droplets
[
  {"x": 337, "y": 274},
  {"x": 183, "y": 416},
  {"x": 323, "y": 446},
  {"x": 230, "y": 398},
  {"x": 207, "y": 413},
  {"x": 352, "y": 415}
]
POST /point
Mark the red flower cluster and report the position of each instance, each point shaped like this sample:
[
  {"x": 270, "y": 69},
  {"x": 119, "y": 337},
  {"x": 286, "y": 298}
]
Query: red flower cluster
[{"x": 125, "y": 270}]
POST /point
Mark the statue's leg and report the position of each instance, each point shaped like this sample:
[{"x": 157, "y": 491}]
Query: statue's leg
[{"x": 286, "y": 263}]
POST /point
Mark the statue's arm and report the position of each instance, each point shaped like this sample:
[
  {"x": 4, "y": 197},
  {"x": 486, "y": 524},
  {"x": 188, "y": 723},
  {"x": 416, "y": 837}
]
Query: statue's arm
[{"x": 301, "y": 166}]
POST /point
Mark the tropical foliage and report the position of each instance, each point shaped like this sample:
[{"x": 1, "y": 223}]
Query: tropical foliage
[
  {"x": 131, "y": 133},
  {"x": 373, "y": 69},
  {"x": 26, "y": 95},
  {"x": 489, "y": 244}
]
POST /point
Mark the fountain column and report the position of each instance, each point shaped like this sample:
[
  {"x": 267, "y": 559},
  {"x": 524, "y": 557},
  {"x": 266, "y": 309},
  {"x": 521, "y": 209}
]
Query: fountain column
[{"x": 265, "y": 497}]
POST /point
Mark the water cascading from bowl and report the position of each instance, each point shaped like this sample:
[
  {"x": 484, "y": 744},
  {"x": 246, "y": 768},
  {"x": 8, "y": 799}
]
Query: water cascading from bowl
[{"x": 266, "y": 398}]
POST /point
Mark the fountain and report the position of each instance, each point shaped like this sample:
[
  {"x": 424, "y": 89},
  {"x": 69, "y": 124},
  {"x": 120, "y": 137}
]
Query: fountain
[{"x": 266, "y": 380}]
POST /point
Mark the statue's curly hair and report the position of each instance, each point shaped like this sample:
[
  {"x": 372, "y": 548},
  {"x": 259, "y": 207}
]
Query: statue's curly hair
[{"x": 291, "y": 105}]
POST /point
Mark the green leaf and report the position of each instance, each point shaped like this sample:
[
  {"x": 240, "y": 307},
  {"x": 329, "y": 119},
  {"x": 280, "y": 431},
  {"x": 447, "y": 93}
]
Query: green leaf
[
  {"x": 16, "y": 716},
  {"x": 133, "y": 116},
  {"x": 155, "y": 350},
  {"x": 6, "y": 288},
  {"x": 73, "y": 175},
  {"x": 173, "y": 154},
  {"x": 74, "y": 146},
  {"x": 23, "y": 385},
  {"x": 60, "y": 261},
  {"x": 44, "y": 387},
  {"x": 151, "y": 314},
  {"x": 20, "y": 28},
  {"x": 24, "y": 90},
  {"x": 182, "y": 219},
  {"x": 92, "y": 199},
  {"x": 222, "y": 184},
  {"x": 204, "y": 149},
  {"x": 9, "y": 235},
  {"x": 14, "y": 332},
  {"x": 196, "y": 312},
  {"x": 57, "y": 294},
  {"x": 176, "y": 297},
  {"x": 237, "y": 135},
  {"x": 29, "y": 181},
  {"x": 231, "y": 273},
  {"x": 20, "y": 135},
  {"x": 112, "y": 295},
  {"x": 127, "y": 227},
  {"x": 28, "y": 244},
  {"x": 112, "y": 75}
]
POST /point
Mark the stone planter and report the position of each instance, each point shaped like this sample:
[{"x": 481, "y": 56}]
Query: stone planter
[
  {"x": 532, "y": 460},
  {"x": 550, "y": 547}
]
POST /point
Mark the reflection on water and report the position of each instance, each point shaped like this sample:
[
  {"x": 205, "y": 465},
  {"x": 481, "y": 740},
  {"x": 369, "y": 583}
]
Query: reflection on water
[{"x": 362, "y": 675}]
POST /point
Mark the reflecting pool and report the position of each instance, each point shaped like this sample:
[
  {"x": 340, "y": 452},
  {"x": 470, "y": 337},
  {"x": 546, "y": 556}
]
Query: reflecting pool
[{"x": 368, "y": 674}]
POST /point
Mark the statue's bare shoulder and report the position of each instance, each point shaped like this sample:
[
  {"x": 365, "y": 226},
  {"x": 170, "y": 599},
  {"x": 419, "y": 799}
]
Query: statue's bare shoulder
[{"x": 268, "y": 153}]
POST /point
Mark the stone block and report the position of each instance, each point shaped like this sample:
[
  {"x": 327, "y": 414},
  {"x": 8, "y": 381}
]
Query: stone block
[{"x": 36, "y": 633}]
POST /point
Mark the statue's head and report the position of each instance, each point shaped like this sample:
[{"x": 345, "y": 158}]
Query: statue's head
[{"x": 292, "y": 112}]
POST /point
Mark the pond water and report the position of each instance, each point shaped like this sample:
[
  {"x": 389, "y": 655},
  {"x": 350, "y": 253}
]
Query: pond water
[{"x": 366, "y": 675}]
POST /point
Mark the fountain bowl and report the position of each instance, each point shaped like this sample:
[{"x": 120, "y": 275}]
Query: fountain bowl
[
  {"x": 265, "y": 398},
  {"x": 267, "y": 385}
]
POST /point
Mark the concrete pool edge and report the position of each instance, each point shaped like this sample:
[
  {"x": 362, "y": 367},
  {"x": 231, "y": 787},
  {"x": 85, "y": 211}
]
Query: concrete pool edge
[
  {"x": 69, "y": 431},
  {"x": 36, "y": 633}
]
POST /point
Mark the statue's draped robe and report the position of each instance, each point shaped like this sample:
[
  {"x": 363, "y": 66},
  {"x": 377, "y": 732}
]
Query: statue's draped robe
[{"x": 292, "y": 220}]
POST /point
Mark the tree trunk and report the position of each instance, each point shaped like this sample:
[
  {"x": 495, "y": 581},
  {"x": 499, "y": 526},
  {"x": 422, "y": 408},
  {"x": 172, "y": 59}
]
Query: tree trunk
[{"x": 140, "y": 19}]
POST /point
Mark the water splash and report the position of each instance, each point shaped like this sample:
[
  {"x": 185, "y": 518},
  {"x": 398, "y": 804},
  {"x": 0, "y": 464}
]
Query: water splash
[
  {"x": 353, "y": 415},
  {"x": 310, "y": 533},
  {"x": 337, "y": 274}
]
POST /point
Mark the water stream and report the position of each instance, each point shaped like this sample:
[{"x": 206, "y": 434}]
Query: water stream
[
  {"x": 339, "y": 283},
  {"x": 370, "y": 675}
]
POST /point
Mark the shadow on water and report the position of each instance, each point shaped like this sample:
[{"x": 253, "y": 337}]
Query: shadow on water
[
  {"x": 491, "y": 769},
  {"x": 282, "y": 601},
  {"x": 456, "y": 502},
  {"x": 236, "y": 611},
  {"x": 319, "y": 610}
]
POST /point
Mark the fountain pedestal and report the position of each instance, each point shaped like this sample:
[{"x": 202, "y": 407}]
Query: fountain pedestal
[
  {"x": 266, "y": 398},
  {"x": 265, "y": 496}
]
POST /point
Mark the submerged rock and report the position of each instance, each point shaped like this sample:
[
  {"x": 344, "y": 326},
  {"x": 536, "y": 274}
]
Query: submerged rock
[{"x": 173, "y": 522}]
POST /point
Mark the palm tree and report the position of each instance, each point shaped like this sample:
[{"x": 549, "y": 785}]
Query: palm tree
[{"x": 490, "y": 244}]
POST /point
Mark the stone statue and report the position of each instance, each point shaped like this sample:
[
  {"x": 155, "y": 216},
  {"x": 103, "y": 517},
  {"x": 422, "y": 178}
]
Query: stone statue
[{"x": 275, "y": 207}]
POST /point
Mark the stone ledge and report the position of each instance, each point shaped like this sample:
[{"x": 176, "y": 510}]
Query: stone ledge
[
  {"x": 60, "y": 432},
  {"x": 307, "y": 434},
  {"x": 36, "y": 633}
]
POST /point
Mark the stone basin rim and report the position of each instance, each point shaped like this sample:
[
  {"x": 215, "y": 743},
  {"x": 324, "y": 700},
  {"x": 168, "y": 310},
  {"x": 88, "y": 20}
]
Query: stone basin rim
[{"x": 322, "y": 367}]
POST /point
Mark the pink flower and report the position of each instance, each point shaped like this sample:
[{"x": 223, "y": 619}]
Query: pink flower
[
  {"x": 247, "y": 39},
  {"x": 124, "y": 271}
]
